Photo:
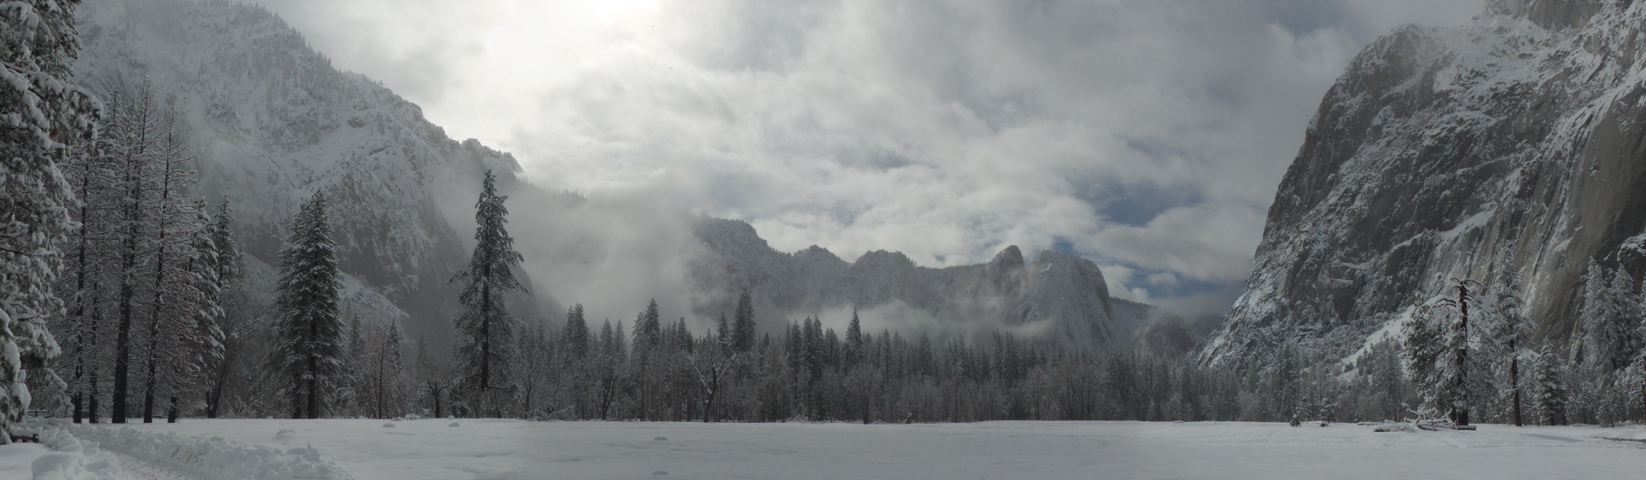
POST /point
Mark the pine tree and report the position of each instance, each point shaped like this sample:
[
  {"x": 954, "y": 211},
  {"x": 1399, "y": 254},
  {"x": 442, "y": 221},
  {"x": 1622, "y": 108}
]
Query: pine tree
[
  {"x": 577, "y": 332},
  {"x": 1595, "y": 315},
  {"x": 723, "y": 335},
  {"x": 208, "y": 336},
  {"x": 354, "y": 370},
  {"x": 648, "y": 328},
  {"x": 1551, "y": 389},
  {"x": 1617, "y": 343},
  {"x": 743, "y": 324},
  {"x": 389, "y": 370},
  {"x": 44, "y": 115},
  {"x": 310, "y": 350},
  {"x": 1427, "y": 355},
  {"x": 137, "y": 127},
  {"x": 485, "y": 329},
  {"x": 1509, "y": 332},
  {"x": 854, "y": 341},
  {"x": 229, "y": 268}
]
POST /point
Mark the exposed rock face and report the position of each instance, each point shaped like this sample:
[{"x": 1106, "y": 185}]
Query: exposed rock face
[
  {"x": 1518, "y": 134},
  {"x": 270, "y": 121},
  {"x": 1056, "y": 297}
]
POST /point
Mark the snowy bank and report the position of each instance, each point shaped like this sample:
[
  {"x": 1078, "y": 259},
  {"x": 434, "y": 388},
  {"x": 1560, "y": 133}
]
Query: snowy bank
[{"x": 75, "y": 448}]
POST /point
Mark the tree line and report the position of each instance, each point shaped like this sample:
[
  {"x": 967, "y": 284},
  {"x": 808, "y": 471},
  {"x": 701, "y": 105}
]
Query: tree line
[{"x": 1470, "y": 349}]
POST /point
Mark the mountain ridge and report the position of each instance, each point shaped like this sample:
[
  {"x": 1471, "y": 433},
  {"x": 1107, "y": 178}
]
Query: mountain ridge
[
  {"x": 1061, "y": 298},
  {"x": 1438, "y": 151}
]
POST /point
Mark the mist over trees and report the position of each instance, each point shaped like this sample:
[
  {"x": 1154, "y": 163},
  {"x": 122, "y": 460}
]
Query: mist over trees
[{"x": 124, "y": 295}]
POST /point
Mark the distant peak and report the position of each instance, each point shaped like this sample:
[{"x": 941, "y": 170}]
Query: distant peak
[
  {"x": 816, "y": 252},
  {"x": 1550, "y": 14},
  {"x": 882, "y": 257},
  {"x": 1011, "y": 257}
]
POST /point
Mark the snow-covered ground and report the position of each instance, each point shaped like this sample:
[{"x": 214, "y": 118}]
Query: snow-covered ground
[{"x": 511, "y": 449}]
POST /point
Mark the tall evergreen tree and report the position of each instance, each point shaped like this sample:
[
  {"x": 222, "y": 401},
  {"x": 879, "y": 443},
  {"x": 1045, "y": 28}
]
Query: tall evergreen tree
[
  {"x": 1595, "y": 315},
  {"x": 485, "y": 331},
  {"x": 1611, "y": 335},
  {"x": 310, "y": 350},
  {"x": 648, "y": 327},
  {"x": 230, "y": 269},
  {"x": 208, "y": 313},
  {"x": 577, "y": 332},
  {"x": 743, "y": 324},
  {"x": 1509, "y": 333},
  {"x": 723, "y": 334},
  {"x": 44, "y": 115},
  {"x": 1551, "y": 390},
  {"x": 389, "y": 367},
  {"x": 854, "y": 341}
]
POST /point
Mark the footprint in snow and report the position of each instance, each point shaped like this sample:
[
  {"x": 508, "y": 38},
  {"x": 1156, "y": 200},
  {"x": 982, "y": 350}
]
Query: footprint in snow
[
  {"x": 388, "y": 425},
  {"x": 660, "y": 439},
  {"x": 454, "y": 424}
]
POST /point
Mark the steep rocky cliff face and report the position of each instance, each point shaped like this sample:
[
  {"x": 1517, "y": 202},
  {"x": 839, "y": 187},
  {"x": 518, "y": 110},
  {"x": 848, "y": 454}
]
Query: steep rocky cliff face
[
  {"x": 1055, "y": 297},
  {"x": 270, "y": 121},
  {"x": 1522, "y": 134}
]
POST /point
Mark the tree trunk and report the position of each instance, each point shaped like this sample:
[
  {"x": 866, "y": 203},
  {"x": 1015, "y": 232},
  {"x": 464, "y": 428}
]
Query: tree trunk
[
  {"x": 485, "y": 334},
  {"x": 214, "y": 397},
  {"x": 122, "y": 352},
  {"x": 437, "y": 413},
  {"x": 171, "y": 410},
  {"x": 159, "y": 289},
  {"x": 80, "y": 304},
  {"x": 1514, "y": 382},
  {"x": 91, "y": 403},
  {"x": 1461, "y": 409}
]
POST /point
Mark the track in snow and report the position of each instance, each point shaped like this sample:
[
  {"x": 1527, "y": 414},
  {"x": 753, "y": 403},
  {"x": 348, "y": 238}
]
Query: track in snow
[{"x": 137, "y": 469}]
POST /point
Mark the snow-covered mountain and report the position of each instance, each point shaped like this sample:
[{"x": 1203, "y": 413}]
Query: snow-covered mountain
[
  {"x": 1055, "y": 296},
  {"x": 271, "y": 121},
  {"x": 1522, "y": 133}
]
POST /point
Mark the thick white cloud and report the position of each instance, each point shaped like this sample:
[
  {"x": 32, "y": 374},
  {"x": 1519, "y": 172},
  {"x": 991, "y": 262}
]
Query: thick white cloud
[{"x": 1146, "y": 135}]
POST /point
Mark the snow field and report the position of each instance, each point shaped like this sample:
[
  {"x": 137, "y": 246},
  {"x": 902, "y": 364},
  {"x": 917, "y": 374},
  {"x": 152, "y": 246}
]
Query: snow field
[{"x": 514, "y": 449}]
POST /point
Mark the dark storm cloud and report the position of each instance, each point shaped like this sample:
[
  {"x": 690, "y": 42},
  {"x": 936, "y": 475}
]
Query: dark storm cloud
[{"x": 1146, "y": 135}]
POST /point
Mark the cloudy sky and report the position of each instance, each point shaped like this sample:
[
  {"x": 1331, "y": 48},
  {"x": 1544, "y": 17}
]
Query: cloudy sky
[{"x": 1145, "y": 135}]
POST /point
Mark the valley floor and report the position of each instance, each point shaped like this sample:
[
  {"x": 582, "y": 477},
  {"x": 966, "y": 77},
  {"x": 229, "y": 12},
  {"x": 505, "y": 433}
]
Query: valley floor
[{"x": 513, "y": 449}]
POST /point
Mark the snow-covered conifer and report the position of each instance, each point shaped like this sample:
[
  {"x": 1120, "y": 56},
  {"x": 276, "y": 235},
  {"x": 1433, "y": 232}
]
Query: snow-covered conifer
[
  {"x": 485, "y": 331},
  {"x": 576, "y": 333},
  {"x": 854, "y": 341},
  {"x": 208, "y": 312},
  {"x": 743, "y": 324},
  {"x": 229, "y": 269},
  {"x": 1508, "y": 334},
  {"x": 310, "y": 350},
  {"x": 44, "y": 114},
  {"x": 1550, "y": 387}
]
